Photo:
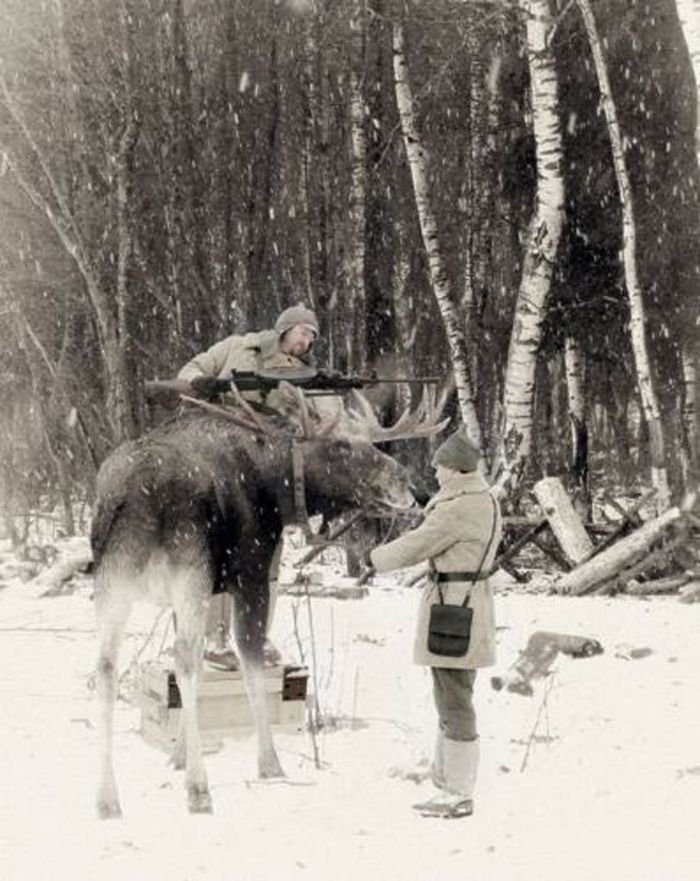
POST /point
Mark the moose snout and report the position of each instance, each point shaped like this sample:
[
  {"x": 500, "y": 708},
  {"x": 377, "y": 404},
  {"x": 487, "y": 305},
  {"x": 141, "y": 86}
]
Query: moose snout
[
  {"x": 401, "y": 496},
  {"x": 420, "y": 494}
]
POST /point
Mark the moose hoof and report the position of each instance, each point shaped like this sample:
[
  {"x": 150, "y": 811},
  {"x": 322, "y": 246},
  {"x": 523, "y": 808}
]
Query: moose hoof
[
  {"x": 177, "y": 759},
  {"x": 199, "y": 801},
  {"x": 108, "y": 810},
  {"x": 271, "y": 770}
]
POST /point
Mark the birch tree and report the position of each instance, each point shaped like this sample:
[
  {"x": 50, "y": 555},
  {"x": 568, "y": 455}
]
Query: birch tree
[
  {"x": 418, "y": 162},
  {"x": 540, "y": 251},
  {"x": 689, "y": 16},
  {"x": 649, "y": 401},
  {"x": 574, "y": 367},
  {"x": 358, "y": 164}
]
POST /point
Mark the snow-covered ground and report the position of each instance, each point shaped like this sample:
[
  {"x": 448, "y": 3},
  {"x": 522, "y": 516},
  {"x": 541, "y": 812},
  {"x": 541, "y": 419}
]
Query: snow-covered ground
[{"x": 597, "y": 776}]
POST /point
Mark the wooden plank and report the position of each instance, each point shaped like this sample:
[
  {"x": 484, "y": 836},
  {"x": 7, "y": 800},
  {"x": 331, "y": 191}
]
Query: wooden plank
[
  {"x": 220, "y": 714},
  {"x": 160, "y": 681},
  {"x": 564, "y": 521}
]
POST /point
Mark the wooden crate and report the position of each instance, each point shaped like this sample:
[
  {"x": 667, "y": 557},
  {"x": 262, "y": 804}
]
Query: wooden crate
[{"x": 222, "y": 704}]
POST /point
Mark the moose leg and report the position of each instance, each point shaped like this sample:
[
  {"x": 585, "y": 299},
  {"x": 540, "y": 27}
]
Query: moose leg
[
  {"x": 191, "y": 611},
  {"x": 250, "y": 621},
  {"x": 178, "y": 757},
  {"x": 111, "y": 618}
]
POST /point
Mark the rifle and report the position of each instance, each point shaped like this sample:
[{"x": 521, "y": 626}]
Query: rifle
[
  {"x": 315, "y": 381},
  {"x": 311, "y": 380}
]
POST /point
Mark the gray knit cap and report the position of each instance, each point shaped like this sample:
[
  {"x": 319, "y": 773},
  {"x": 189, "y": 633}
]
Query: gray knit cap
[
  {"x": 457, "y": 452},
  {"x": 294, "y": 315}
]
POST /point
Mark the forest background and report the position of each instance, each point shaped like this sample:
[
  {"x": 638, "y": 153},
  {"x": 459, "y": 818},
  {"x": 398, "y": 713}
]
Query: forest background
[{"x": 444, "y": 182}]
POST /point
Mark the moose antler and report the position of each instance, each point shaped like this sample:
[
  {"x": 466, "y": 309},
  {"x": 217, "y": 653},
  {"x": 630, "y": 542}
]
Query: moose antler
[
  {"x": 362, "y": 422},
  {"x": 311, "y": 423}
]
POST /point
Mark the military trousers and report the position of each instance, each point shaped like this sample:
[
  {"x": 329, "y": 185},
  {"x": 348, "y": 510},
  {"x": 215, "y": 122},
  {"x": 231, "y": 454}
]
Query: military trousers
[{"x": 453, "y": 692}]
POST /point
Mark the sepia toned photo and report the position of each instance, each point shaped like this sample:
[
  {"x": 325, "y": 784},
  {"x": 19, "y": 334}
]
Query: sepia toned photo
[{"x": 349, "y": 462}]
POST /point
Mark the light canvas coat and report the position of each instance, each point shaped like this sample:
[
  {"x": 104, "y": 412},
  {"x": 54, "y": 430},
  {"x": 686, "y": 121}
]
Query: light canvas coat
[
  {"x": 454, "y": 535},
  {"x": 250, "y": 351}
]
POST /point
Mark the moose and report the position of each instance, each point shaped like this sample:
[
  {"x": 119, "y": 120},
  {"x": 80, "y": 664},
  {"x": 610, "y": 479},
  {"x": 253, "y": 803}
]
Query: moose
[{"x": 198, "y": 505}]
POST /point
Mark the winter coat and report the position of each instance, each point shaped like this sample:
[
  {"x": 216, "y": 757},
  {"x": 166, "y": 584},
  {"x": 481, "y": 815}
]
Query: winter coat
[
  {"x": 250, "y": 351},
  {"x": 454, "y": 536}
]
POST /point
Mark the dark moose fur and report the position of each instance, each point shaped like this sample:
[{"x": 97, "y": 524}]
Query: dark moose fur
[{"x": 196, "y": 506}]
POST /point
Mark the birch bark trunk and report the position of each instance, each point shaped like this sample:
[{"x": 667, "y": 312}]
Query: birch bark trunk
[
  {"x": 689, "y": 409},
  {"x": 356, "y": 273},
  {"x": 645, "y": 382},
  {"x": 541, "y": 250},
  {"x": 418, "y": 161},
  {"x": 689, "y": 16},
  {"x": 574, "y": 367}
]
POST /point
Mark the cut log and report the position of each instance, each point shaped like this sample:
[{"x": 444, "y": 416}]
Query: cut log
[
  {"x": 564, "y": 521},
  {"x": 657, "y": 585},
  {"x": 537, "y": 658},
  {"x": 623, "y": 554},
  {"x": 52, "y": 580},
  {"x": 691, "y": 592},
  {"x": 655, "y": 564}
]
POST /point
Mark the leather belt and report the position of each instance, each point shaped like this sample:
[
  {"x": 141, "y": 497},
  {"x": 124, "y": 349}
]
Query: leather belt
[{"x": 462, "y": 576}]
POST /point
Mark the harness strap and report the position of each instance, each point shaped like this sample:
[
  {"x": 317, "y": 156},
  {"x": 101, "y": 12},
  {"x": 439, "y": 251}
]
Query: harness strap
[{"x": 301, "y": 515}]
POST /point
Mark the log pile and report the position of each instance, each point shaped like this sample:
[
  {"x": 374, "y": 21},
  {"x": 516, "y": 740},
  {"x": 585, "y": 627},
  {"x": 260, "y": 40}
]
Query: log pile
[{"x": 640, "y": 557}]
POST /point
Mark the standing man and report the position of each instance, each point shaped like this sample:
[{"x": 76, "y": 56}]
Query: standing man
[
  {"x": 287, "y": 345},
  {"x": 459, "y": 536}
]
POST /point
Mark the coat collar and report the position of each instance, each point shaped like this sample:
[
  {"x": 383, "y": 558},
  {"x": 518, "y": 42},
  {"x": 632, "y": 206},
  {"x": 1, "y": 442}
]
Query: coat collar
[
  {"x": 267, "y": 342},
  {"x": 458, "y": 485}
]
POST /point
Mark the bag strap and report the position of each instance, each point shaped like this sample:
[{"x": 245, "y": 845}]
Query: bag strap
[{"x": 476, "y": 574}]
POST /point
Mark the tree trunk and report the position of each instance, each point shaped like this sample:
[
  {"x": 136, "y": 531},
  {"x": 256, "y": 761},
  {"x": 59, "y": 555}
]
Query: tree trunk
[
  {"x": 124, "y": 167},
  {"x": 57, "y": 213},
  {"x": 579, "y": 426},
  {"x": 417, "y": 160},
  {"x": 541, "y": 250},
  {"x": 356, "y": 307},
  {"x": 629, "y": 255},
  {"x": 689, "y": 16},
  {"x": 564, "y": 521},
  {"x": 689, "y": 411}
]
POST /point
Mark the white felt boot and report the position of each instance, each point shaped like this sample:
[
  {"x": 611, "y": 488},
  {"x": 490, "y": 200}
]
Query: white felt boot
[{"x": 459, "y": 765}]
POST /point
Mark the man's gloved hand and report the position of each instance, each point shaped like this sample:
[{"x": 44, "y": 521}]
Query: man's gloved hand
[{"x": 206, "y": 387}]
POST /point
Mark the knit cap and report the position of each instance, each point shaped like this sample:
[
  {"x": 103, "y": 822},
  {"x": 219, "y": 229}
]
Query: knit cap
[
  {"x": 457, "y": 452},
  {"x": 294, "y": 315}
]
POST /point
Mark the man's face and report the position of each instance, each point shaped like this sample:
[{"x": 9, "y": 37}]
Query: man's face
[{"x": 297, "y": 340}]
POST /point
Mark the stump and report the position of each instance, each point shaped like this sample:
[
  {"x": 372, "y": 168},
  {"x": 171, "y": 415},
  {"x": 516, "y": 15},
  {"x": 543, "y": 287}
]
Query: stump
[{"x": 565, "y": 523}]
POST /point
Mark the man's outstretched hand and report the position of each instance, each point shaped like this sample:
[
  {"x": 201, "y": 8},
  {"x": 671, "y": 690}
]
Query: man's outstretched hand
[{"x": 206, "y": 387}]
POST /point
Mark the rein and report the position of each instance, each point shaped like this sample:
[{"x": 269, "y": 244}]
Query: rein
[{"x": 301, "y": 515}]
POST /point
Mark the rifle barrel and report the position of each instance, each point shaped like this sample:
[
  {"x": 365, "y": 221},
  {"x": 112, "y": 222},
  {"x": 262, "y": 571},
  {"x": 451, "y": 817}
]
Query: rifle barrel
[{"x": 400, "y": 379}]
